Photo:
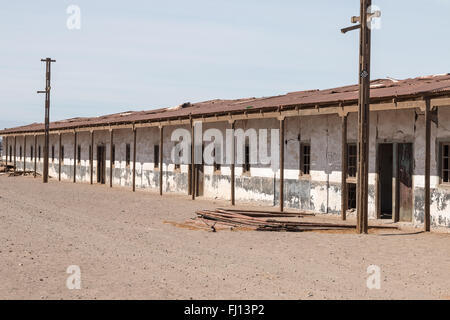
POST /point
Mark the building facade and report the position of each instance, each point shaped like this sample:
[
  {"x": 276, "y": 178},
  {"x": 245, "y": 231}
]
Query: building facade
[{"x": 128, "y": 153}]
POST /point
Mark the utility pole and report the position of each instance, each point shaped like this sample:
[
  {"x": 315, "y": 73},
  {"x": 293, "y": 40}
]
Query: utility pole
[
  {"x": 48, "y": 62},
  {"x": 363, "y": 111}
]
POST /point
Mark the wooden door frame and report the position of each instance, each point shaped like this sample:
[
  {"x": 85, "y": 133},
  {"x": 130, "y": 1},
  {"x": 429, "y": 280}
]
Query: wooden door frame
[
  {"x": 103, "y": 166},
  {"x": 397, "y": 184},
  {"x": 395, "y": 168},
  {"x": 197, "y": 180},
  {"x": 378, "y": 179}
]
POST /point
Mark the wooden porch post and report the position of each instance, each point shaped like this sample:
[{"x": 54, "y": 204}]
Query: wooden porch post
[
  {"x": 111, "y": 164},
  {"x": 427, "y": 220},
  {"x": 34, "y": 156},
  {"x": 161, "y": 131},
  {"x": 134, "y": 159},
  {"x": 344, "y": 166},
  {"x": 7, "y": 149},
  {"x": 91, "y": 157},
  {"x": 193, "y": 167},
  {"x": 15, "y": 152},
  {"x": 233, "y": 167},
  {"x": 74, "y": 156},
  {"x": 396, "y": 188},
  {"x": 281, "y": 164},
  {"x": 60, "y": 159},
  {"x": 24, "y": 154}
]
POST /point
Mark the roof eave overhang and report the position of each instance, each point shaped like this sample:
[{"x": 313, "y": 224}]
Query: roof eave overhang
[{"x": 438, "y": 99}]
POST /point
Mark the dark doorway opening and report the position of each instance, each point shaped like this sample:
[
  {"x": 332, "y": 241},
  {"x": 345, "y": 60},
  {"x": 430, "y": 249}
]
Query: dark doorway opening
[
  {"x": 101, "y": 164},
  {"x": 351, "y": 187},
  {"x": 385, "y": 172}
]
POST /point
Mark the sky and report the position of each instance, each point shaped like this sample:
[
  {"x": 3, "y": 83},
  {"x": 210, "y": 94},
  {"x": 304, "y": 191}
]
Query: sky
[{"x": 141, "y": 55}]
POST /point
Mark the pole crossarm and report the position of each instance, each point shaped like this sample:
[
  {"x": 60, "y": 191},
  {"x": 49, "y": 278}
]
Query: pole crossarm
[
  {"x": 357, "y": 19},
  {"x": 345, "y": 30}
]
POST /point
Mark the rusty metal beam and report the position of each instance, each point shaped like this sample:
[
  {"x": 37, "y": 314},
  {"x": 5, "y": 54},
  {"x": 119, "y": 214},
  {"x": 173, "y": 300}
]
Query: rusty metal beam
[
  {"x": 427, "y": 220},
  {"x": 344, "y": 168}
]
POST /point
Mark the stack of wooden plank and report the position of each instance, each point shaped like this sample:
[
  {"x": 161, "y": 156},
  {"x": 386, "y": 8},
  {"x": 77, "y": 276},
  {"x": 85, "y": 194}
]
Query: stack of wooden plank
[
  {"x": 267, "y": 220},
  {"x": 22, "y": 173}
]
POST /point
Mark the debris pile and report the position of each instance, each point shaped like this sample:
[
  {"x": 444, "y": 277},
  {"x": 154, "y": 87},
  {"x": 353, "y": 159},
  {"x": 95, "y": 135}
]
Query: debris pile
[
  {"x": 8, "y": 168},
  {"x": 5, "y": 167},
  {"x": 22, "y": 173},
  {"x": 267, "y": 220}
]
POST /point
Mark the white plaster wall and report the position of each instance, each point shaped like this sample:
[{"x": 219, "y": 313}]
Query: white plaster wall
[
  {"x": 322, "y": 132},
  {"x": 440, "y": 199}
]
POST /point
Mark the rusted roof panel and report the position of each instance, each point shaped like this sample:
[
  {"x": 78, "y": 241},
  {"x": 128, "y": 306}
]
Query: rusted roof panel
[{"x": 380, "y": 89}]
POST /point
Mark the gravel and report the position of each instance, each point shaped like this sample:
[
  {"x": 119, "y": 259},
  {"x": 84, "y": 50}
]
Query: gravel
[{"x": 133, "y": 246}]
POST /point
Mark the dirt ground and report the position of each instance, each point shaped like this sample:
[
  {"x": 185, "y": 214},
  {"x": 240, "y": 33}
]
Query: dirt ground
[{"x": 134, "y": 246}]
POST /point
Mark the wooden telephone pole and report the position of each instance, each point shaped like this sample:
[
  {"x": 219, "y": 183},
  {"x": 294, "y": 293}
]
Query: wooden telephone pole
[
  {"x": 363, "y": 111},
  {"x": 48, "y": 62}
]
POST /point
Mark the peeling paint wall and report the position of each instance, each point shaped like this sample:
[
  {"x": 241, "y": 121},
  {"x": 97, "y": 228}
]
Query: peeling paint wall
[
  {"x": 320, "y": 191},
  {"x": 440, "y": 193}
]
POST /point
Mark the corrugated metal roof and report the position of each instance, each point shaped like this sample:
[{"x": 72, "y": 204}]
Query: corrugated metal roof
[{"x": 380, "y": 89}]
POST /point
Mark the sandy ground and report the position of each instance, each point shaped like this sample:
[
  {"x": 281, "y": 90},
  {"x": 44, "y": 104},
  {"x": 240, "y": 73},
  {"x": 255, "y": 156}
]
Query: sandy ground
[{"x": 126, "y": 249}]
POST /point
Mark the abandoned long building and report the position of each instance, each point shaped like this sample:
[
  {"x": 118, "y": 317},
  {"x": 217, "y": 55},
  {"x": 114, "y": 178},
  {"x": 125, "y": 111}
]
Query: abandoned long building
[{"x": 318, "y": 130}]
